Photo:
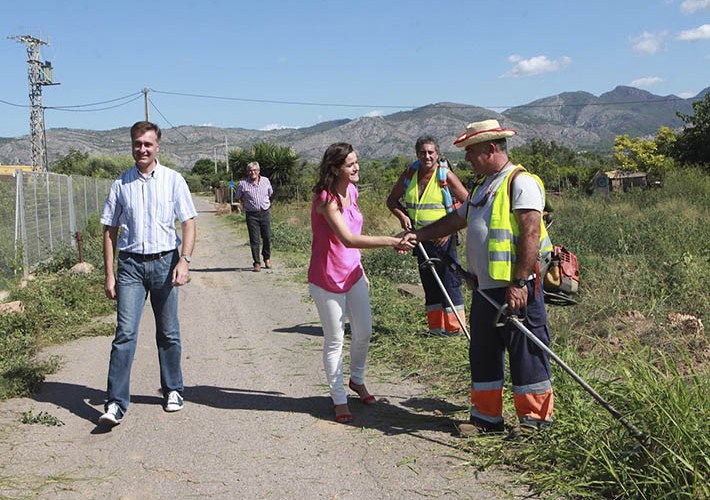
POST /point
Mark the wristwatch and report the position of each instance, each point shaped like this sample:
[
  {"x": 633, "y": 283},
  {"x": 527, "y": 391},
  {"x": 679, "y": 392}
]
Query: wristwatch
[
  {"x": 187, "y": 257},
  {"x": 520, "y": 283}
]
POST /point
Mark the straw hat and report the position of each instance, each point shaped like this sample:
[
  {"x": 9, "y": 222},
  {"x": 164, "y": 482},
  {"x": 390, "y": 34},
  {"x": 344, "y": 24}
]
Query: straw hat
[{"x": 487, "y": 130}]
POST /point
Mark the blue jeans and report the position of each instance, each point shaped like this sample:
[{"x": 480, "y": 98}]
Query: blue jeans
[
  {"x": 259, "y": 224},
  {"x": 136, "y": 278}
]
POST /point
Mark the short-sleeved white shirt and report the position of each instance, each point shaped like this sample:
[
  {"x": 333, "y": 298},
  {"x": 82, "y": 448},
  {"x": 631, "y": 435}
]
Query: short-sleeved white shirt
[
  {"x": 526, "y": 194},
  {"x": 145, "y": 208}
]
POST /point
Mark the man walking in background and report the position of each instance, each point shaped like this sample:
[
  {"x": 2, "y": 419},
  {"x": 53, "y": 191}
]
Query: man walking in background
[
  {"x": 255, "y": 192},
  {"x": 144, "y": 203}
]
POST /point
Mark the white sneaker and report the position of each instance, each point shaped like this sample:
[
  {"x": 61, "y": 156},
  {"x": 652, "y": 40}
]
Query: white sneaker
[
  {"x": 174, "y": 401},
  {"x": 113, "y": 415}
]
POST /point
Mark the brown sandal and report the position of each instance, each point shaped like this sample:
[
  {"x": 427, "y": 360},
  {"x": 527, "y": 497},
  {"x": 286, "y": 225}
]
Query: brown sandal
[
  {"x": 344, "y": 417},
  {"x": 359, "y": 388}
]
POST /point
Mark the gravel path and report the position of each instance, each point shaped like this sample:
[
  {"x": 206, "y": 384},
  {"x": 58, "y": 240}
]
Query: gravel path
[{"x": 257, "y": 421}]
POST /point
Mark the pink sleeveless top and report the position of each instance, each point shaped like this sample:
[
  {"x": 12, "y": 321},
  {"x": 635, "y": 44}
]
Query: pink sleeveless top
[{"x": 334, "y": 267}]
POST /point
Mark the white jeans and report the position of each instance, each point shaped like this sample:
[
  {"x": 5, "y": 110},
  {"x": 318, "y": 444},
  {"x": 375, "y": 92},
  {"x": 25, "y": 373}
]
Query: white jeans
[{"x": 332, "y": 308}]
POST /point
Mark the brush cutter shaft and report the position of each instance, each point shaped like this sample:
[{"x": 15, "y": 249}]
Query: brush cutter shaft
[
  {"x": 502, "y": 310},
  {"x": 428, "y": 262}
]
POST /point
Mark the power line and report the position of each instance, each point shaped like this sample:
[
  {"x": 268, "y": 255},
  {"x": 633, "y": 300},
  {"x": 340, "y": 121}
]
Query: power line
[
  {"x": 392, "y": 106},
  {"x": 56, "y": 108},
  {"x": 164, "y": 118},
  {"x": 16, "y": 105},
  {"x": 95, "y": 103},
  {"x": 332, "y": 104}
]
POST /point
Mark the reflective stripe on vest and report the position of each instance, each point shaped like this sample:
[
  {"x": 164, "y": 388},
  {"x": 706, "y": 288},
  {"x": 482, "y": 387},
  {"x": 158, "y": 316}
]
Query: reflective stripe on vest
[
  {"x": 503, "y": 233},
  {"x": 430, "y": 206}
]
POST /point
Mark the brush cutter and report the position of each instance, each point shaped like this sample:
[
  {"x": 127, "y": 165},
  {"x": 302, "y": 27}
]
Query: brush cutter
[
  {"x": 505, "y": 313},
  {"x": 429, "y": 262}
]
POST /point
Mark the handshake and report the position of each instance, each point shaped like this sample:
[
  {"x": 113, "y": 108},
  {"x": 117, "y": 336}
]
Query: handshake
[{"x": 407, "y": 241}]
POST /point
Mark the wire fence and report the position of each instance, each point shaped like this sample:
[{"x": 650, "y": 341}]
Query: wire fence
[{"x": 40, "y": 212}]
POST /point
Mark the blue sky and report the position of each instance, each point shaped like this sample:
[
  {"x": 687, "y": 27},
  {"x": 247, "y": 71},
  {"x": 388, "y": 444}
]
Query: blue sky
[{"x": 351, "y": 58}]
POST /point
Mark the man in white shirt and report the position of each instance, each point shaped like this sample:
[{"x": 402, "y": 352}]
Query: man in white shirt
[{"x": 139, "y": 220}]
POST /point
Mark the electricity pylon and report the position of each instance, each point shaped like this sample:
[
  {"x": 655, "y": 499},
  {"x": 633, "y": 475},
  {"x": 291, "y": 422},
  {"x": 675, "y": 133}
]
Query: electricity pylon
[{"x": 38, "y": 74}]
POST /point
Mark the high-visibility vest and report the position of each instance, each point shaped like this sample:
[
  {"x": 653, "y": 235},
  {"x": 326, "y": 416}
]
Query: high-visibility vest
[
  {"x": 436, "y": 200},
  {"x": 503, "y": 232}
]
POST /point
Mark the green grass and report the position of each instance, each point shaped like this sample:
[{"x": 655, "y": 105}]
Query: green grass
[{"x": 59, "y": 307}]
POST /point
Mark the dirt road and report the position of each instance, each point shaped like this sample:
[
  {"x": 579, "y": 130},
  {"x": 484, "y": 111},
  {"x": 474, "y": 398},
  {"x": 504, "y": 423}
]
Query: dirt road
[{"x": 257, "y": 421}]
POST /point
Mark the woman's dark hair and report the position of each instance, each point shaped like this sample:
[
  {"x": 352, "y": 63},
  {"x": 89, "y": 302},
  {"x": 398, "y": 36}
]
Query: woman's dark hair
[{"x": 334, "y": 156}]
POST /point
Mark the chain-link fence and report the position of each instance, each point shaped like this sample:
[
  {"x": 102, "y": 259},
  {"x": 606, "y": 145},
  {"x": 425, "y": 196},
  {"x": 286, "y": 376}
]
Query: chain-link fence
[{"x": 41, "y": 213}]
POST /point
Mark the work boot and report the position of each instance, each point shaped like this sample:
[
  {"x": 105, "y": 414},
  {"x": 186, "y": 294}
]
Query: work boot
[
  {"x": 528, "y": 430},
  {"x": 474, "y": 428},
  {"x": 267, "y": 263},
  {"x": 257, "y": 267}
]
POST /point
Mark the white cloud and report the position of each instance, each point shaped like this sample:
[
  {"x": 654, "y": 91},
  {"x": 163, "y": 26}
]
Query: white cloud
[
  {"x": 374, "y": 112},
  {"x": 693, "y": 6},
  {"x": 535, "y": 65},
  {"x": 699, "y": 33},
  {"x": 210, "y": 124},
  {"x": 648, "y": 43},
  {"x": 276, "y": 126},
  {"x": 648, "y": 81},
  {"x": 687, "y": 95}
]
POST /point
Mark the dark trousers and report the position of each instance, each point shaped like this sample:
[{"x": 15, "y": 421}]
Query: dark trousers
[
  {"x": 528, "y": 363},
  {"x": 259, "y": 226}
]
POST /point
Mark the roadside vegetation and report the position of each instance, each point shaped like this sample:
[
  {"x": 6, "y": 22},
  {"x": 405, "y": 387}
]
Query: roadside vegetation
[{"x": 58, "y": 306}]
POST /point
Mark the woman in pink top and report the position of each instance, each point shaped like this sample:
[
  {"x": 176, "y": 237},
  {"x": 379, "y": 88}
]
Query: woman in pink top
[{"x": 337, "y": 280}]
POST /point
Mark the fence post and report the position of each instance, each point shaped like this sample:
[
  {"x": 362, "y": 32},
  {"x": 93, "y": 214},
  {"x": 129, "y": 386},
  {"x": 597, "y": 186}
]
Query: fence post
[
  {"x": 20, "y": 226},
  {"x": 49, "y": 213},
  {"x": 70, "y": 203}
]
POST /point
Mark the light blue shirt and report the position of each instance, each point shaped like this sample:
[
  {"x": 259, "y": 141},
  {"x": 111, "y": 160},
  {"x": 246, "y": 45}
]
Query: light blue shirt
[{"x": 144, "y": 209}]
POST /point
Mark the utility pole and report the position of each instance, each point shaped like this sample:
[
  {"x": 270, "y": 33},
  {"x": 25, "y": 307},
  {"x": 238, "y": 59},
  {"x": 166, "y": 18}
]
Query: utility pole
[
  {"x": 215, "y": 160},
  {"x": 226, "y": 152},
  {"x": 145, "y": 100},
  {"x": 38, "y": 74}
]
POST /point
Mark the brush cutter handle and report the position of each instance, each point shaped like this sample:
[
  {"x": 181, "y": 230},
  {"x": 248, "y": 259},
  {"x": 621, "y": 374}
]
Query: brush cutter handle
[
  {"x": 635, "y": 432},
  {"x": 506, "y": 312}
]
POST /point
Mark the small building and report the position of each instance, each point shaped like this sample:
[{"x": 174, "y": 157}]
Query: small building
[{"x": 619, "y": 180}]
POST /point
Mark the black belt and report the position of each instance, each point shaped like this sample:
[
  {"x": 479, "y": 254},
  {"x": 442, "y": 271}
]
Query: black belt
[
  {"x": 261, "y": 210},
  {"x": 147, "y": 256}
]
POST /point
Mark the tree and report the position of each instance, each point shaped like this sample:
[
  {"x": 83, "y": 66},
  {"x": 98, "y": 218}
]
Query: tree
[
  {"x": 204, "y": 167},
  {"x": 693, "y": 144},
  {"x": 282, "y": 165},
  {"x": 643, "y": 155}
]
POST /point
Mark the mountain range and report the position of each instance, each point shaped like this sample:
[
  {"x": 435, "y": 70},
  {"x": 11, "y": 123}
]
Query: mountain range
[{"x": 579, "y": 120}]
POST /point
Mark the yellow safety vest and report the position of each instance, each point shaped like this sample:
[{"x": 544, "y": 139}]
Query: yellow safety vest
[
  {"x": 430, "y": 207},
  {"x": 503, "y": 233}
]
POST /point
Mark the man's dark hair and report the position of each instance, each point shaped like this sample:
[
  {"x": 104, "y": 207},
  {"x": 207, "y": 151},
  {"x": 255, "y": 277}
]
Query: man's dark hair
[
  {"x": 142, "y": 127},
  {"x": 426, "y": 139},
  {"x": 501, "y": 144}
]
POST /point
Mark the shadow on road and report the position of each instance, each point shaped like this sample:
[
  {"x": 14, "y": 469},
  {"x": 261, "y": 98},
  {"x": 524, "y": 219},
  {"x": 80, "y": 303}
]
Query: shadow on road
[
  {"x": 384, "y": 417},
  {"x": 313, "y": 329},
  {"x": 80, "y": 400},
  {"x": 217, "y": 269}
]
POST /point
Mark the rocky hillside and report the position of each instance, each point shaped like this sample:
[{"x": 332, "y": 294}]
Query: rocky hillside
[{"x": 579, "y": 120}]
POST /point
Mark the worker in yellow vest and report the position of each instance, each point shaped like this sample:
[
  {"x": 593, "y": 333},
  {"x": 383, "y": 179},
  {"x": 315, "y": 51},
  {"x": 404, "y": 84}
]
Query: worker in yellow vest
[
  {"x": 423, "y": 194},
  {"x": 505, "y": 242}
]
